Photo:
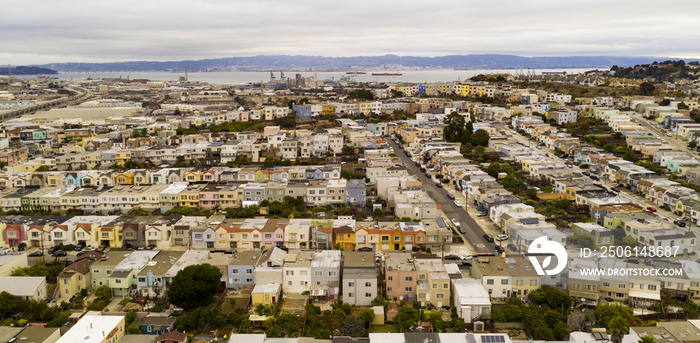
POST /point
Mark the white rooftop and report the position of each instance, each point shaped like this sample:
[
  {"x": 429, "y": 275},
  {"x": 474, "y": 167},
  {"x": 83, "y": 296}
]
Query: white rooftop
[
  {"x": 91, "y": 329},
  {"x": 21, "y": 286},
  {"x": 136, "y": 259}
]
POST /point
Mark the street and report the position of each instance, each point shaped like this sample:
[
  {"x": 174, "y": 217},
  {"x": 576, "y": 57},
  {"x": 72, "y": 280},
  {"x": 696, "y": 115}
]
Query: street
[{"x": 474, "y": 233}]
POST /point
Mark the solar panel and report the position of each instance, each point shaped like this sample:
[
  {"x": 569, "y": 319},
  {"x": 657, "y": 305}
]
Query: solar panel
[{"x": 492, "y": 339}]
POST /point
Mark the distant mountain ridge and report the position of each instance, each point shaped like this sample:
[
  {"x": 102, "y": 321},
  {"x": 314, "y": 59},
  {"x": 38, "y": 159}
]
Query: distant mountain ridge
[
  {"x": 393, "y": 62},
  {"x": 25, "y": 70}
]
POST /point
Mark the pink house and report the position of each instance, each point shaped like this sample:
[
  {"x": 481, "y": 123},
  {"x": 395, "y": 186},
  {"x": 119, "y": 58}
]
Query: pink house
[
  {"x": 244, "y": 116},
  {"x": 209, "y": 195},
  {"x": 13, "y": 235}
]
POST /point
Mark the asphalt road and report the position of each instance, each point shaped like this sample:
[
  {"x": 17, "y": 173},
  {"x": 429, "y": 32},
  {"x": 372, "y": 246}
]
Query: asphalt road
[{"x": 474, "y": 233}]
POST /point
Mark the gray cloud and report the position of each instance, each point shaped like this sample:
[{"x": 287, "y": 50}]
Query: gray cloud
[{"x": 45, "y": 31}]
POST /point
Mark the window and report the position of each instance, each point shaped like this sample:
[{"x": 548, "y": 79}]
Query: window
[
  {"x": 351, "y": 295},
  {"x": 409, "y": 278},
  {"x": 368, "y": 295},
  {"x": 368, "y": 284},
  {"x": 606, "y": 284},
  {"x": 504, "y": 281},
  {"x": 390, "y": 278},
  {"x": 388, "y": 289},
  {"x": 518, "y": 282},
  {"x": 332, "y": 273},
  {"x": 435, "y": 286},
  {"x": 409, "y": 289},
  {"x": 489, "y": 281},
  {"x": 234, "y": 271},
  {"x": 318, "y": 273},
  {"x": 621, "y": 285},
  {"x": 351, "y": 284},
  {"x": 440, "y": 296}
]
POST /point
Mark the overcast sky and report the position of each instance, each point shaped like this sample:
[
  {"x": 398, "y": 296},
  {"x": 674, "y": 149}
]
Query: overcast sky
[{"x": 46, "y": 31}]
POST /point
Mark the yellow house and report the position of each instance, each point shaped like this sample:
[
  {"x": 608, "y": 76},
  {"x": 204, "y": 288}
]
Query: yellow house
[
  {"x": 190, "y": 196},
  {"x": 266, "y": 294},
  {"x": 76, "y": 276},
  {"x": 262, "y": 175},
  {"x": 529, "y": 163},
  {"x": 327, "y": 109},
  {"x": 192, "y": 176},
  {"x": 125, "y": 178},
  {"x": 524, "y": 278},
  {"x": 122, "y": 156},
  {"x": 344, "y": 237}
]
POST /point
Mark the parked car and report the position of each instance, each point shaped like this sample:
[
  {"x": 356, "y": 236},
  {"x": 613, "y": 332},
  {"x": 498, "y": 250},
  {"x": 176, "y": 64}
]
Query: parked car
[
  {"x": 499, "y": 249},
  {"x": 651, "y": 209},
  {"x": 481, "y": 214},
  {"x": 449, "y": 195},
  {"x": 80, "y": 246},
  {"x": 127, "y": 246},
  {"x": 68, "y": 260},
  {"x": 422, "y": 170},
  {"x": 501, "y": 237},
  {"x": 428, "y": 175},
  {"x": 458, "y": 203},
  {"x": 467, "y": 256},
  {"x": 455, "y": 222},
  {"x": 488, "y": 237},
  {"x": 150, "y": 247},
  {"x": 60, "y": 253},
  {"x": 452, "y": 257},
  {"x": 512, "y": 247},
  {"x": 462, "y": 230},
  {"x": 37, "y": 253},
  {"x": 102, "y": 247},
  {"x": 53, "y": 249},
  {"x": 438, "y": 184}
]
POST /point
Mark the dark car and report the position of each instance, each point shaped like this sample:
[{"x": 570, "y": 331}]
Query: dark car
[
  {"x": 365, "y": 249},
  {"x": 60, "y": 253},
  {"x": 428, "y": 175},
  {"x": 462, "y": 230},
  {"x": 102, "y": 247},
  {"x": 489, "y": 238},
  {"x": 449, "y": 195},
  {"x": 512, "y": 247},
  {"x": 37, "y": 253},
  {"x": 452, "y": 257},
  {"x": 439, "y": 185},
  {"x": 68, "y": 260},
  {"x": 499, "y": 249},
  {"x": 445, "y": 180},
  {"x": 417, "y": 164},
  {"x": 80, "y": 253},
  {"x": 150, "y": 247},
  {"x": 127, "y": 246},
  {"x": 53, "y": 249},
  {"x": 79, "y": 246},
  {"x": 422, "y": 170}
]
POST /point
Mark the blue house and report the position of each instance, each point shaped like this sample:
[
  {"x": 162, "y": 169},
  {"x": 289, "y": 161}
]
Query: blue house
[
  {"x": 157, "y": 324},
  {"x": 421, "y": 89},
  {"x": 302, "y": 111},
  {"x": 356, "y": 192},
  {"x": 74, "y": 179},
  {"x": 241, "y": 269}
]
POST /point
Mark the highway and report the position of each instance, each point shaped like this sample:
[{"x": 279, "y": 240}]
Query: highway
[{"x": 474, "y": 233}]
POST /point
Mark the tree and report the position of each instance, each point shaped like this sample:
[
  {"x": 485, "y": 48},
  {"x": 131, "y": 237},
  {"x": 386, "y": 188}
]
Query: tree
[
  {"x": 688, "y": 307},
  {"x": 290, "y": 323},
  {"x": 692, "y": 144},
  {"x": 406, "y": 318},
  {"x": 646, "y": 339},
  {"x": 379, "y": 301},
  {"x": 103, "y": 293},
  {"x": 618, "y": 326},
  {"x": 353, "y": 326},
  {"x": 435, "y": 318},
  {"x": 647, "y": 88},
  {"x": 43, "y": 169},
  {"x": 8, "y": 303},
  {"x": 194, "y": 286},
  {"x": 479, "y": 138},
  {"x": 367, "y": 316},
  {"x": 605, "y": 312}
]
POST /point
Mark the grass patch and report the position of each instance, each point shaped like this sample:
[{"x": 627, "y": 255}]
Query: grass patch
[{"x": 383, "y": 328}]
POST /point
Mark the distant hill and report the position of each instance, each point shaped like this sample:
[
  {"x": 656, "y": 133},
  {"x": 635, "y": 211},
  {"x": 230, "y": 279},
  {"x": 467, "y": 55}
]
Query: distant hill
[
  {"x": 392, "y": 62},
  {"x": 26, "y": 70}
]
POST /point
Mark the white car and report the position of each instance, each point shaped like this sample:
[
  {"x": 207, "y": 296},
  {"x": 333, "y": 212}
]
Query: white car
[
  {"x": 467, "y": 256},
  {"x": 458, "y": 203},
  {"x": 669, "y": 134},
  {"x": 455, "y": 222},
  {"x": 501, "y": 237}
]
